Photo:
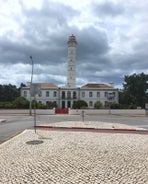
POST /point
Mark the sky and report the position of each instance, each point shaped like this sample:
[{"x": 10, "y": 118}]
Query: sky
[{"x": 112, "y": 40}]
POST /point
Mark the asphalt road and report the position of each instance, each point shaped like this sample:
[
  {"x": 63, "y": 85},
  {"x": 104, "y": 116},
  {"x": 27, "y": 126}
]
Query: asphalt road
[{"x": 17, "y": 123}]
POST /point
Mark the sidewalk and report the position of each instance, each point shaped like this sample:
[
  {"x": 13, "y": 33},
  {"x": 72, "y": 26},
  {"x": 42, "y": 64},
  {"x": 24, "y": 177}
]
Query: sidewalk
[{"x": 75, "y": 157}]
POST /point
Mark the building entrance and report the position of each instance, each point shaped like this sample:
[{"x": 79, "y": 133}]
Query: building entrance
[{"x": 63, "y": 104}]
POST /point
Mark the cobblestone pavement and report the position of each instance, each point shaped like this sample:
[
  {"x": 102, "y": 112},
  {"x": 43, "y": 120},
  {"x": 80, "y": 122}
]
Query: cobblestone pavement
[{"x": 74, "y": 158}]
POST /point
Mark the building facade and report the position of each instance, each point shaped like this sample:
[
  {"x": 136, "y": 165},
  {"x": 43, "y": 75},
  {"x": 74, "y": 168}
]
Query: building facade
[{"x": 64, "y": 97}]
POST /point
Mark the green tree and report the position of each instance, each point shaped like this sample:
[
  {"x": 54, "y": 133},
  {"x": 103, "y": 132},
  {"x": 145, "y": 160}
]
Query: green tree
[
  {"x": 98, "y": 105},
  {"x": 21, "y": 102},
  {"x": 8, "y": 92},
  {"x": 135, "y": 90},
  {"x": 79, "y": 104}
]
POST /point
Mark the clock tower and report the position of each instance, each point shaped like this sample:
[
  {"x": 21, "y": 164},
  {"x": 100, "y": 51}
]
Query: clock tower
[{"x": 71, "y": 79}]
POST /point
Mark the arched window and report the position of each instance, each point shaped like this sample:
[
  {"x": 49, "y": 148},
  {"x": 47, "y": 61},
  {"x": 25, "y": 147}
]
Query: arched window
[
  {"x": 74, "y": 95},
  {"x": 63, "y": 94}
]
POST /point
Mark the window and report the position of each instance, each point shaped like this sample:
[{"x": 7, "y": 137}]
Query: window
[
  {"x": 83, "y": 94},
  {"x": 47, "y": 102},
  {"x": 105, "y": 94},
  {"x": 63, "y": 95},
  {"x": 47, "y": 93},
  {"x": 90, "y": 94},
  {"x": 98, "y": 94},
  {"x": 54, "y": 94},
  {"x": 74, "y": 95},
  {"x": 40, "y": 93},
  {"x": 25, "y": 94},
  {"x": 90, "y": 104}
]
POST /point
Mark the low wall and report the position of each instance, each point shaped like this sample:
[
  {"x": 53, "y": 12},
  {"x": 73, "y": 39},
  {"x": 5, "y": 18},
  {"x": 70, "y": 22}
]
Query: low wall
[
  {"x": 46, "y": 111},
  {"x": 75, "y": 111},
  {"x": 106, "y": 111},
  {"x": 27, "y": 111}
]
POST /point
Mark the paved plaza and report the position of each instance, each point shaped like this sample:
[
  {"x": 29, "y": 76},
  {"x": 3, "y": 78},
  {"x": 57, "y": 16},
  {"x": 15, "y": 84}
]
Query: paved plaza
[{"x": 68, "y": 157}]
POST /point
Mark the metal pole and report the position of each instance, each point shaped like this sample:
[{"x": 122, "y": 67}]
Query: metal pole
[
  {"x": 35, "y": 113},
  {"x": 82, "y": 113},
  {"x": 30, "y": 105}
]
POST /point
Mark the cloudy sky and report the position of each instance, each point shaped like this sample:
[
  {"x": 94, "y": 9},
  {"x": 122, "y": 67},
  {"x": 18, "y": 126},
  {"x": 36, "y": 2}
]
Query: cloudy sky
[{"x": 112, "y": 38}]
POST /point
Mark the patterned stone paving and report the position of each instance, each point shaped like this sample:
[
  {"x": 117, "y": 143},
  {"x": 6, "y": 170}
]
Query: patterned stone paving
[{"x": 74, "y": 158}]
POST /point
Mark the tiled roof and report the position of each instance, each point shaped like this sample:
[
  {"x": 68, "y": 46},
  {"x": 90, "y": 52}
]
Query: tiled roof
[
  {"x": 44, "y": 85},
  {"x": 48, "y": 85},
  {"x": 93, "y": 85}
]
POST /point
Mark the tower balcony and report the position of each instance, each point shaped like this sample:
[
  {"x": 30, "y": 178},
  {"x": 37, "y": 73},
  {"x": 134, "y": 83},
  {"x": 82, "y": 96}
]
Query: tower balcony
[{"x": 69, "y": 98}]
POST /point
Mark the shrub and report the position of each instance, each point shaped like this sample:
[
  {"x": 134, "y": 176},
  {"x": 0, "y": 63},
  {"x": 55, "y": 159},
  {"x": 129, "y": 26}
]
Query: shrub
[
  {"x": 132, "y": 106},
  {"x": 115, "y": 106},
  {"x": 51, "y": 105},
  {"x": 84, "y": 107},
  {"x": 79, "y": 104},
  {"x": 98, "y": 105},
  {"x": 39, "y": 105}
]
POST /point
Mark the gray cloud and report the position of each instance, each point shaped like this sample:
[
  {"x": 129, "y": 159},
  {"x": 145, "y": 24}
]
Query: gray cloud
[
  {"x": 111, "y": 45},
  {"x": 43, "y": 34},
  {"x": 91, "y": 43},
  {"x": 108, "y": 8}
]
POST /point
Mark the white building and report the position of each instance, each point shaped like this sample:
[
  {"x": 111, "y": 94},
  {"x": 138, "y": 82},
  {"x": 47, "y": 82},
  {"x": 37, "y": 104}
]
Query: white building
[{"x": 65, "y": 96}]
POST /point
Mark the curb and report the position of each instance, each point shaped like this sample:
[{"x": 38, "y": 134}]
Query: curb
[
  {"x": 99, "y": 130},
  {"x": 12, "y": 138}
]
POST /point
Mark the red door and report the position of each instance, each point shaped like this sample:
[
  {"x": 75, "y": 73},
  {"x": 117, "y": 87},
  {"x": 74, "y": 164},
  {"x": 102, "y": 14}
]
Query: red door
[{"x": 61, "y": 111}]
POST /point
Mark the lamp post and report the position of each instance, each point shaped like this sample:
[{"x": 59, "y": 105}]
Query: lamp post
[{"x": 30, "y": 105}]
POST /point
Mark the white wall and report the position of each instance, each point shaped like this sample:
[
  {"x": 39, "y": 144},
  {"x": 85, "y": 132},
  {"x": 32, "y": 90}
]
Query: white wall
[{"x": 107, "y": 111}]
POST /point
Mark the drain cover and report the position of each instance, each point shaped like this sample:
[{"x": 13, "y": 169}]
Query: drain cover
[{"x": 34, "y": 142}]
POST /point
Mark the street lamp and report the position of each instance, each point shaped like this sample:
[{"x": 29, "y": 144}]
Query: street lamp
[
  {"x": 32, "y": 69},
  {"x": 30, "y": 105}
]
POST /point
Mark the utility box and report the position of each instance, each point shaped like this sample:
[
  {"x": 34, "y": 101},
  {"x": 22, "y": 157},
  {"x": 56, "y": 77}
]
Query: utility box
[{"x": 146, "y": 109}]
